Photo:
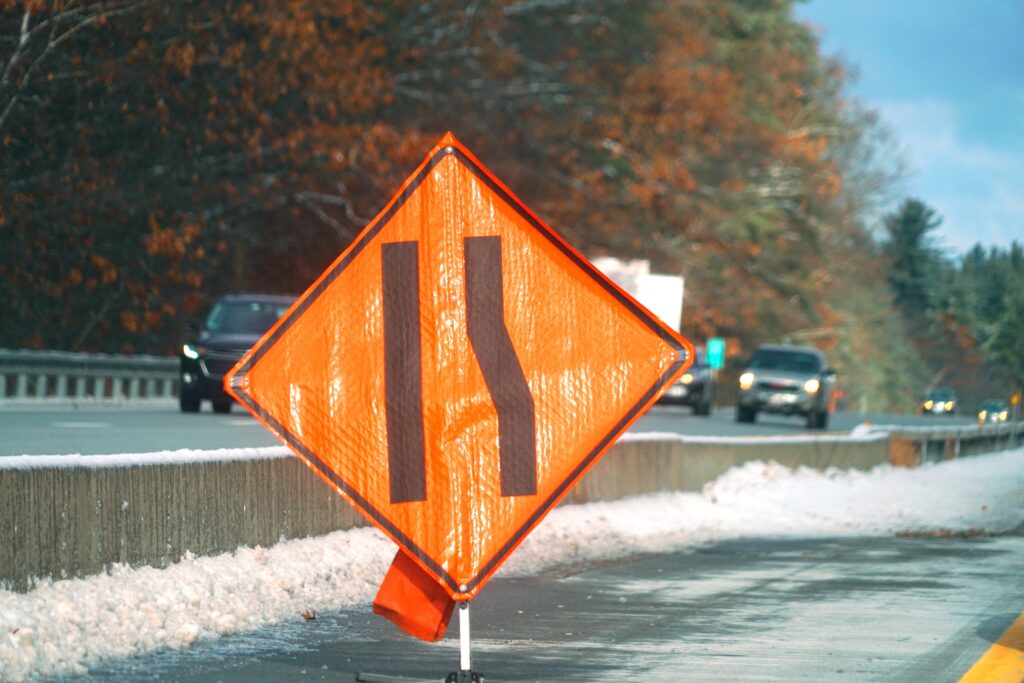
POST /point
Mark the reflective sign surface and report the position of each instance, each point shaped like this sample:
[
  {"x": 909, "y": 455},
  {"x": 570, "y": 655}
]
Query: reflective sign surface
[{"x": 457, "y": 369}]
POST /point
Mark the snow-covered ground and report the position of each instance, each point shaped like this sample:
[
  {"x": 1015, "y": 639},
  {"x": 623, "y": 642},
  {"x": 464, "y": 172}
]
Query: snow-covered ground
[{"x": 66, "y": 626}]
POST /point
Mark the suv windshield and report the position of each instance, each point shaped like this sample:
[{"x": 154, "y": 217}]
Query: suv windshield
[
  {"x": 787, "y": 361},
  {"x": 244, "y": 317},
  {"x": 941, "y": 395}
]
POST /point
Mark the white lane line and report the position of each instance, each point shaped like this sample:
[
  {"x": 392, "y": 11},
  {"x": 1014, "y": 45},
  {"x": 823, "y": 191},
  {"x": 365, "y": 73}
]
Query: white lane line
[
  {"x": 242, "y": 422},
  {"x": 80, "y": 425}
]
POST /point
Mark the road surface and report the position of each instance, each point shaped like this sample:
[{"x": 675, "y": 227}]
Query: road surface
[
  {"x": 59, "y": 430},
  {"x": 855, "y": 609}
]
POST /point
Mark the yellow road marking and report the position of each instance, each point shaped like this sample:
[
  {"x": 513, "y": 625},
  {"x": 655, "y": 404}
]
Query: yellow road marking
[{"x": 1004, "y": 661}]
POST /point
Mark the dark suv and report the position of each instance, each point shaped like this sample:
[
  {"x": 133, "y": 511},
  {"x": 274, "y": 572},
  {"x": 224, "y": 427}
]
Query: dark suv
[
  {"x": 791, "y": 380},
  {"x": 696, "y": 388},
  {"x": 234, "y": 324},
  {"x": 939, "y": 402}
]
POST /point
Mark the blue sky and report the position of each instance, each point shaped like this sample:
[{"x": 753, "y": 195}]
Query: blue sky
[{"x": 947, "y": 77}]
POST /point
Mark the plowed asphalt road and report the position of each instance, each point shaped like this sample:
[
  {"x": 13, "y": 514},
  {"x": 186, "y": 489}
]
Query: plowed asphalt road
[
  {"x": 904, "y": 610},
  {"x": 127, "y": 428}
]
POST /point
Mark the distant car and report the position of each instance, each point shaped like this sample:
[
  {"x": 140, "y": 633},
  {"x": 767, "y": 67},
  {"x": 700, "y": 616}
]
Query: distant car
[
  {"x": 939, "y": 402},
  {"x": 234, "y": 324},
  {"x": 993, "y": 410},
  {"x": 789, "y": 380},
  {"x": 696, "y": 388}
]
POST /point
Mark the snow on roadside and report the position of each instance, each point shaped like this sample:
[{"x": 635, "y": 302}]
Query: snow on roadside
[
  {"x": 66, "y": 626},
  {"x": 176, "y": 457}
]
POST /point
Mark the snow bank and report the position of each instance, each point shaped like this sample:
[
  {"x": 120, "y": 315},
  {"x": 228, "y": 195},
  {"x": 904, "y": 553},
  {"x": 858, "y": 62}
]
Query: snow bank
[
  {"x": 177, "y": 457},
  {"x": 66, "y": 626},
  {"x": 856, "y": 435}
]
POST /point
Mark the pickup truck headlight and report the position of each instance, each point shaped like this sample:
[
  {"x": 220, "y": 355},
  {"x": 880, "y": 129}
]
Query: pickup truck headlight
[
  {"x": 687, "y": 378},
  {"x": 811, "y": 386},
  {"x": 190, "y": 351},
  {"x": 746, "y": 380}
]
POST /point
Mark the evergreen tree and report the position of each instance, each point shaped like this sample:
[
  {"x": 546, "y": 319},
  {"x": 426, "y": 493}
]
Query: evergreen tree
[
  {"x": 1005, "y": 345},
  {"x": 914, "y": 262}
]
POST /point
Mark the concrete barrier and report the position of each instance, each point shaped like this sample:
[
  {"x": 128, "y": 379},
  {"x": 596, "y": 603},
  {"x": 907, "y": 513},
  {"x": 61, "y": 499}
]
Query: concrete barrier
[
  {"x": 63, "y": 519},
  {"x": 72, "y": 516},
  {"x": 647, "y": 464}
]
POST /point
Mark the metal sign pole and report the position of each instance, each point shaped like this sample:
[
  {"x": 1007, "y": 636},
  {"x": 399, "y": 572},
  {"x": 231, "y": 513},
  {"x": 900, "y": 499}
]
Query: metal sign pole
[
  {"x": 465, "y": 674},
  {"x": 464, "y": 637}
]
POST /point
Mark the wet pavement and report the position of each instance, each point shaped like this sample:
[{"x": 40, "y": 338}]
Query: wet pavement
[{"x": 853, "y": 609}]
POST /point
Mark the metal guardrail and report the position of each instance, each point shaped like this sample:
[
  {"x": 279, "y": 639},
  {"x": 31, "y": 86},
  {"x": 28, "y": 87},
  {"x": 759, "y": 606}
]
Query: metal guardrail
[
  {"x": 913, "y": 446},
  {"x": 39, "y": 375}
]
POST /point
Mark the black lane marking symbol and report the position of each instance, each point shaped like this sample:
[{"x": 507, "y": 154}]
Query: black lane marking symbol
[
  {"x": 492, "y": 345},
  {"x": 403, "y": 384},
  {"x": 506, "y": 382}
]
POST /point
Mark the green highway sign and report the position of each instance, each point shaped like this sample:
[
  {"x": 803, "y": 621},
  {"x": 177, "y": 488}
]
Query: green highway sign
[{"x": 715, "y": 353}]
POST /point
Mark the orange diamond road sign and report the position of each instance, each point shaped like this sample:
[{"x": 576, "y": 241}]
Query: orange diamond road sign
[{"x": 457, "y": 369}]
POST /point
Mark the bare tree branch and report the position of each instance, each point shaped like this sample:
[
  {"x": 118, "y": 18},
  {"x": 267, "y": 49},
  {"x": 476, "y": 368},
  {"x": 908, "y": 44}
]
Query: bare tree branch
[{"x": 63, "y": 26}]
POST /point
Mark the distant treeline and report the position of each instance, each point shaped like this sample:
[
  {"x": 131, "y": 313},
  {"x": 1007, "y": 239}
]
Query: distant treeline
[
  {"x": 965, "y": 317},
  {"x": 157, "y": 154}
]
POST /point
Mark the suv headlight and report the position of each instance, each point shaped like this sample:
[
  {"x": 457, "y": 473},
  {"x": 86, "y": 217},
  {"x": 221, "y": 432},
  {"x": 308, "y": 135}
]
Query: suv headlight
[
  {"x": 949, "y": 405},
  {"x": 928, "y": 404},
  {"x": 811, "y": 386},
  {"x": 191, "y": 351},
  {"x": 746, "y": 380}
]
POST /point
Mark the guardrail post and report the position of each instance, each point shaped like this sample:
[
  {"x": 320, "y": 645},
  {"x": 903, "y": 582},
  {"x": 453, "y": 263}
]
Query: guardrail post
[
  {"x": 903, "y": 452},
  {"x": 952, "y": 447}
]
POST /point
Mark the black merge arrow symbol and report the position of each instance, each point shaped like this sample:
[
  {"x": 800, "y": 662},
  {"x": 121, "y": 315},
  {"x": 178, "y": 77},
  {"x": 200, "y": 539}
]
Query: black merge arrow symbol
[{"x": 492, "y": 345}]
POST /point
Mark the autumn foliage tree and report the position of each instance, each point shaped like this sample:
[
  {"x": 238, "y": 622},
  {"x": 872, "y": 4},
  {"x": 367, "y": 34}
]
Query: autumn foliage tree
[
  {"x": 167, "y": 151},
  {"x": 156, "y": 155}
]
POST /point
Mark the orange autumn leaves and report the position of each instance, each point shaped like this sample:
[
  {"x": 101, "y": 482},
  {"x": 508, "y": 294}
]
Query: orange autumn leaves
[{"x": 218, "y": 145}]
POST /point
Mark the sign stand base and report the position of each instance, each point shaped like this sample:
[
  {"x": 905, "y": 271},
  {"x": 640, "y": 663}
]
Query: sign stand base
[{"x": 464, "y": 675}]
